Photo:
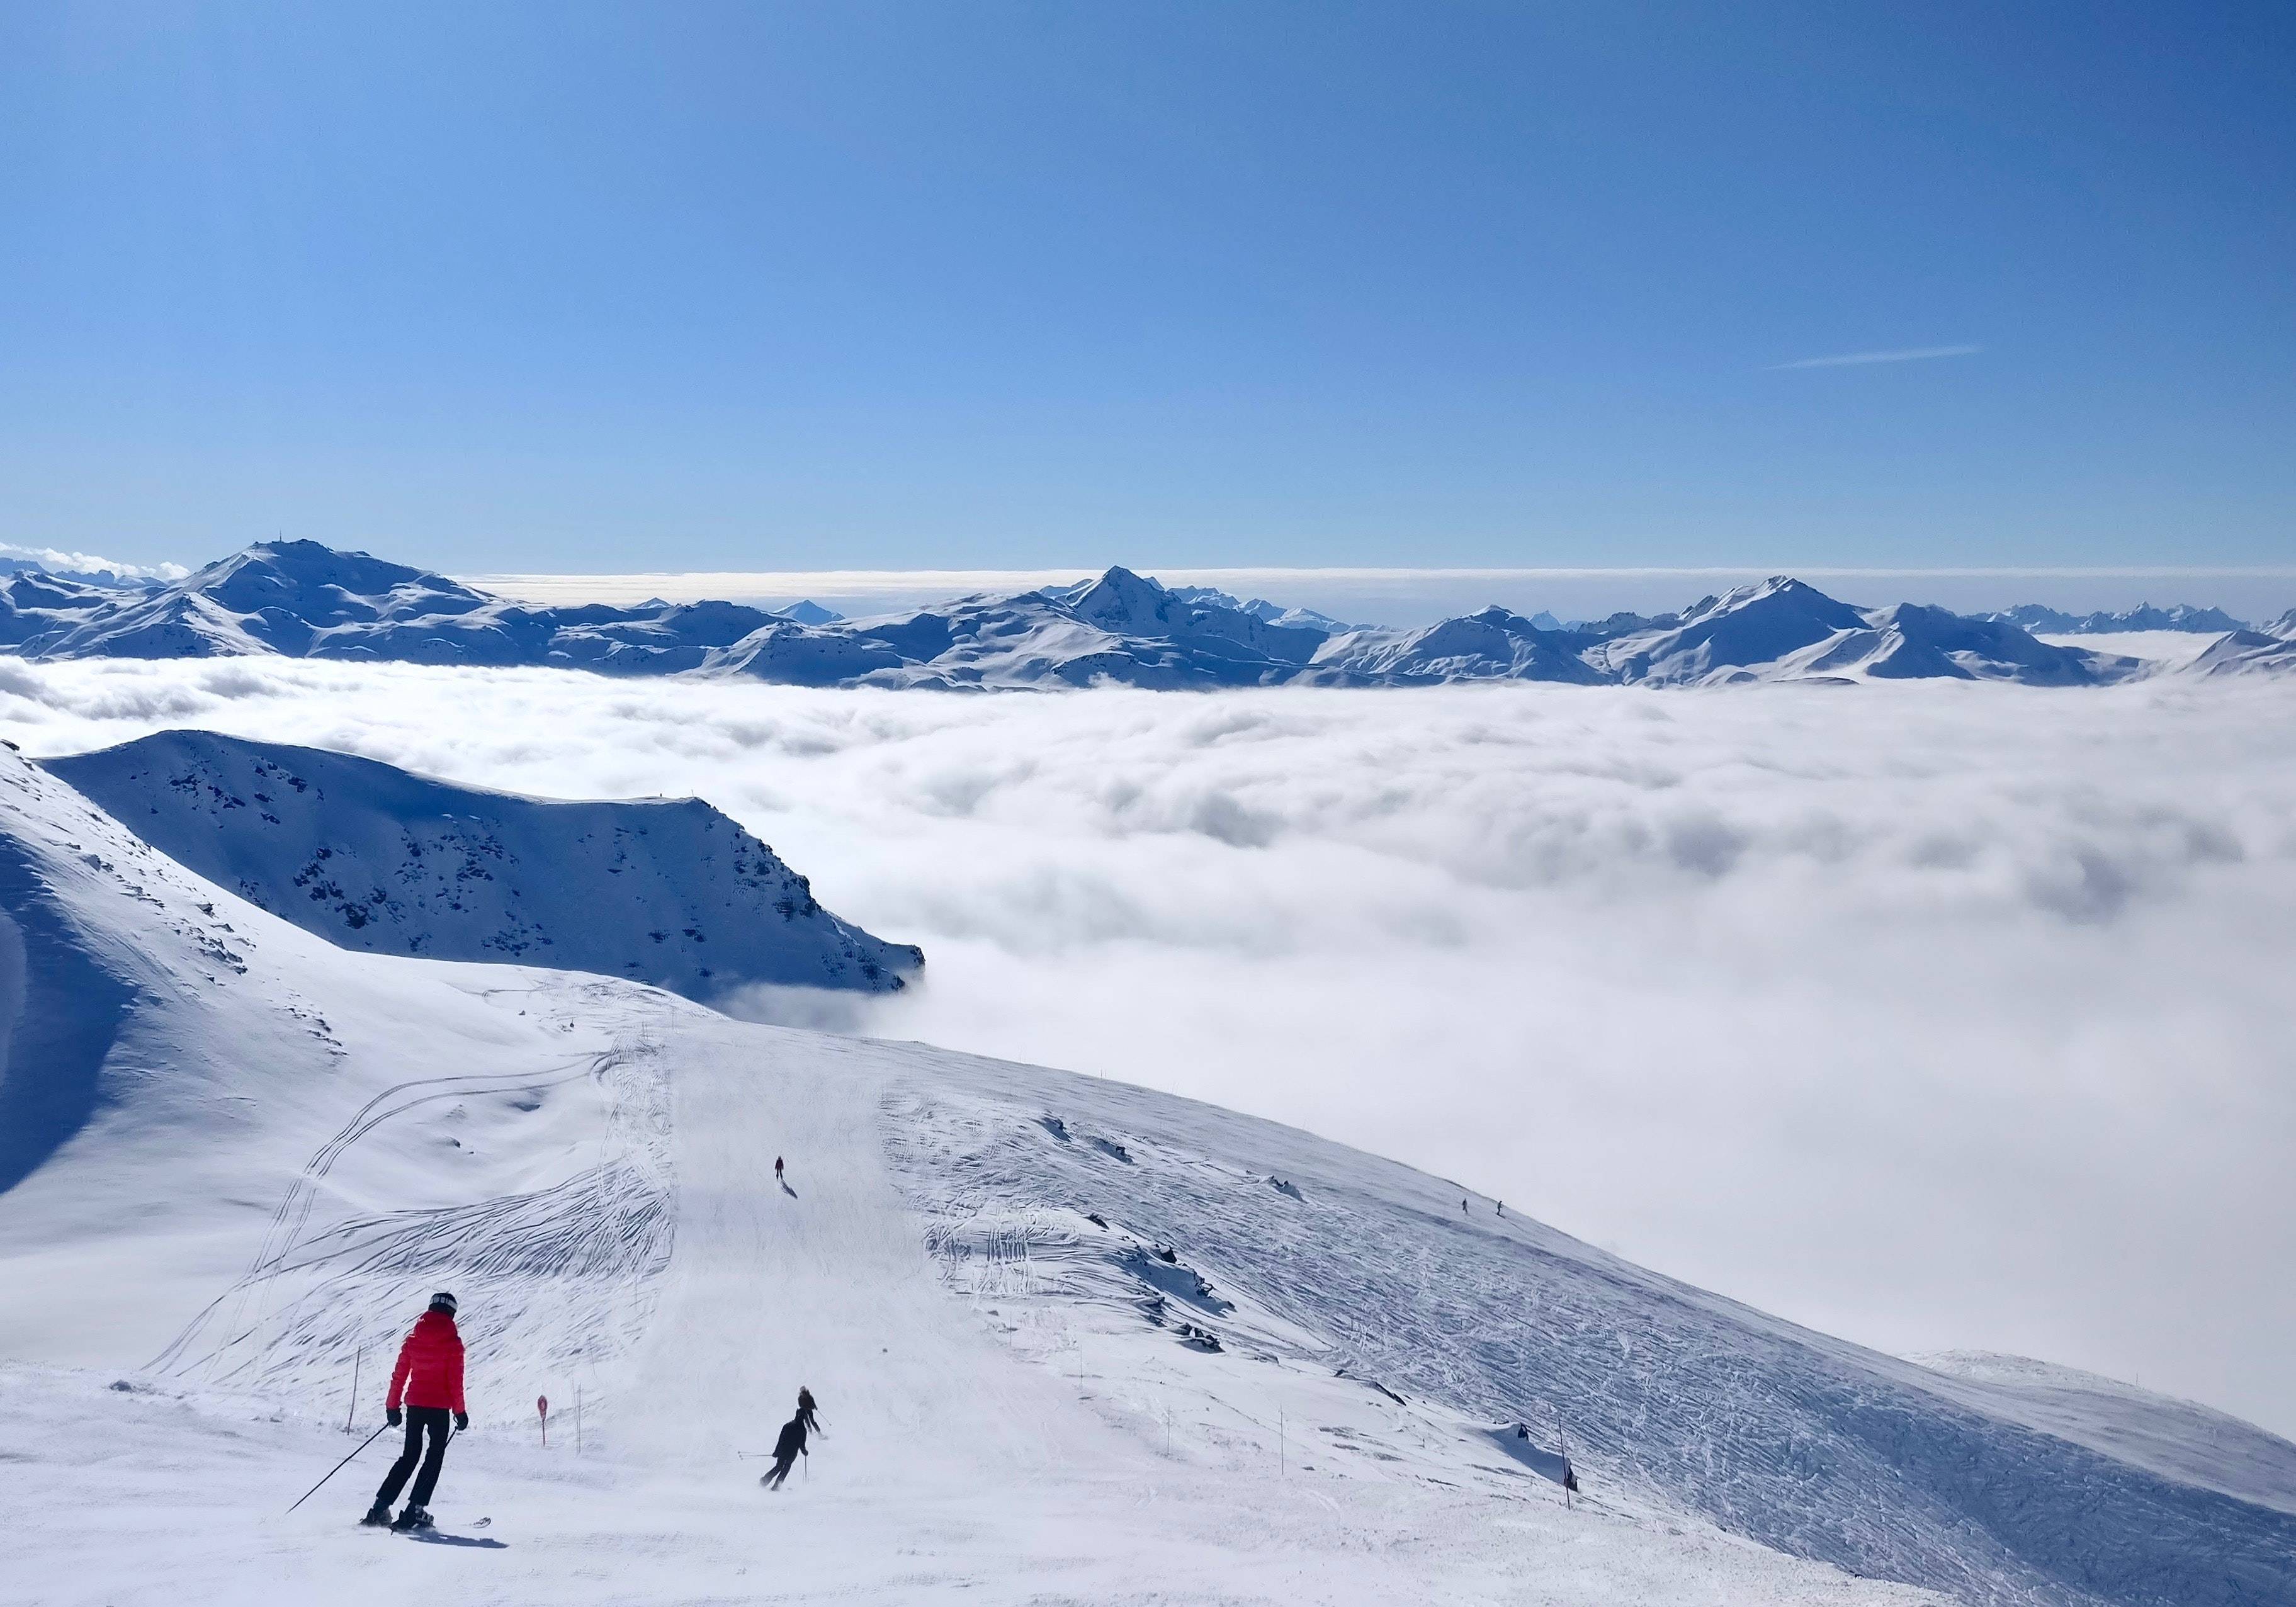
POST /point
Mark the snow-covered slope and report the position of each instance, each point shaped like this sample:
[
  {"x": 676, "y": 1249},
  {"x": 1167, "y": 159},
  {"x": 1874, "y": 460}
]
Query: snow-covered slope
[
  {"x": 37, "y": 608},
  {"x": 1782, "y": 629},
  {"x": 1073, "y": 1339},
  {"x": 2249, "y": 652},
  {"x": 309, "y": 601},
  {"x": 1687, "y": 1399},
  {"x": 2178, "y": 1438},
  {"x": 1493, "y": 644},
  {"x": 1909, "y": 641},
  {"x": 805, "y": 610},
  {"x": 1118, "y": 628},
  {"x": 1261, "y": 608},
  {"x": 303, "y": 599},
  {"x": 1731, "y": 637},
  {"x": 665, "y": 891}
]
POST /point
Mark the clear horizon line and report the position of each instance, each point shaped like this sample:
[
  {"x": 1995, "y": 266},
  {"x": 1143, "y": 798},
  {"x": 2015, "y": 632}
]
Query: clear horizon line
[{"x": 876, "y": 578}]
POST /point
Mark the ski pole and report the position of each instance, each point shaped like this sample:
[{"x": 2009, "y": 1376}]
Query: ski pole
[{"x": 339, "y": 1467}]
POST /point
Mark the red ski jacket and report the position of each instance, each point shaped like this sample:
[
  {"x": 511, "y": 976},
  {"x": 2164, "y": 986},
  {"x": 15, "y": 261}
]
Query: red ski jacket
[{"x": 430, "y": 1371}]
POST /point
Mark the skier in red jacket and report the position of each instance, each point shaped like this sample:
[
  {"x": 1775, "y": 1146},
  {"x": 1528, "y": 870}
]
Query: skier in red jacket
[{"x": 428, "y": 1381}]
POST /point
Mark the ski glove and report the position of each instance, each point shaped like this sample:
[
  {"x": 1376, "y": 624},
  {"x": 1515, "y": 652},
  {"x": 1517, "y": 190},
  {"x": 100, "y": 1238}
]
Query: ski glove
[
  {"x": 392, "y": 1417},
  {"x": 462, "y": 1422}
]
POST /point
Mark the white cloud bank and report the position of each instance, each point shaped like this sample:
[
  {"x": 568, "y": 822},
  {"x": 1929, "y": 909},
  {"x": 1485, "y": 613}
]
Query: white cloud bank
[
  {"x": 1932, "y": 1015},
  {"x": 89, "y": 563}
]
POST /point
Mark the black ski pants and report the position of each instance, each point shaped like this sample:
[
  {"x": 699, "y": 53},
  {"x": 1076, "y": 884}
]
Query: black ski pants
[
  {"x": 419, "y": 1421},
  {"x": 772, "y": 1480}
]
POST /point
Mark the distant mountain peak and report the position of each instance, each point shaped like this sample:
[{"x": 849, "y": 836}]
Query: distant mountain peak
[
  {"x": 1117, "y": 591},
  {"x": 805, "y": 610}
]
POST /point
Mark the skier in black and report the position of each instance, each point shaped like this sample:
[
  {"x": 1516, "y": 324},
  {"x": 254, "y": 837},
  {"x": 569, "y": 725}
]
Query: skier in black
[
  {"x": 787, "y": 1449},
  {"x": 805, "y": 1411}
]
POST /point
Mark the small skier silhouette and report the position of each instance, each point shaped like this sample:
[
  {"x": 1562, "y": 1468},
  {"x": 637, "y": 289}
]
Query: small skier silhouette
[{"x": 777, "y": 1168}]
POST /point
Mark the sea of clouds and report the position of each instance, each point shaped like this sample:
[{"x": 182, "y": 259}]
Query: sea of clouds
[{"x": 1935, "y": 1015}]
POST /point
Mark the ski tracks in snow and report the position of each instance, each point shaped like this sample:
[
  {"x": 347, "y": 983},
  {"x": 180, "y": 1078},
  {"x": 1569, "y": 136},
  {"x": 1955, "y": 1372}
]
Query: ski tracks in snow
[{"x": 565, "y": 1271}]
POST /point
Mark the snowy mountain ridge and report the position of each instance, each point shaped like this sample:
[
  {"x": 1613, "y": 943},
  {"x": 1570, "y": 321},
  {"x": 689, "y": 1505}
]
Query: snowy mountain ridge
[
  {"x": 2182, "y": 616},
  {"x": 1010, "y": 1286},
  {"x": 304, "y": 600},
  {"x": 373, "y": 857}
]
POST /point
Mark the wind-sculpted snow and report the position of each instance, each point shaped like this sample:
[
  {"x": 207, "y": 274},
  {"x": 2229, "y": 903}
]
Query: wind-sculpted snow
[
  {"x": 303, "y": 599},
  {"x": 372, "y": 858},
  {"x": 1365, "y": 1270}
]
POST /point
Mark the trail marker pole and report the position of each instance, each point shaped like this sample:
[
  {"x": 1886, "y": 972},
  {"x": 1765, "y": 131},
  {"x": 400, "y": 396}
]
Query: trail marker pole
[
  {"x": 542, "y": 1412},
  {"x": 351, "y": 1413},
  {"x": 1562, "y": 1438}
]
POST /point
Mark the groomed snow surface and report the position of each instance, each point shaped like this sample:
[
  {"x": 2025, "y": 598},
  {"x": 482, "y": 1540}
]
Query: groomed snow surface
[{"x": 1072, "y": 1340}]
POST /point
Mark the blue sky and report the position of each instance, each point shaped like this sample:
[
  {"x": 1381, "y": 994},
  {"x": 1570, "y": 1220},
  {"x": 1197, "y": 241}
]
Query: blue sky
[{"x": 580, "y": 288}]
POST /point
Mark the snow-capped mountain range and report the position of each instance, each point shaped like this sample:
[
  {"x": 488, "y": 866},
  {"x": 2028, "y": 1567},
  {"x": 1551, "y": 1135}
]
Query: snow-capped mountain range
[
  {"x": 234, "y": 1157},
  {"x": 301, "y": 599},
  {"x": 2056, "y": 622}
]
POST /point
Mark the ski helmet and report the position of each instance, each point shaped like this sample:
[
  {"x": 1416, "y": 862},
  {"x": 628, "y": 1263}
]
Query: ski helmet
[{"x": 443, "y": 1301}]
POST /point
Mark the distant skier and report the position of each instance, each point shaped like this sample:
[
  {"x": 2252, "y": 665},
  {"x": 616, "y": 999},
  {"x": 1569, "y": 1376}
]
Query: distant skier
[
  {"x": 805, "y": 1411},
  {"x": 777, "y": 1168},
  {"x": 1502, "y": 1208},
  {"x": 1463, "y": 1207},
  {"x": 428, "y": 1381},
  {"x": 787, "y": 1449}
]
